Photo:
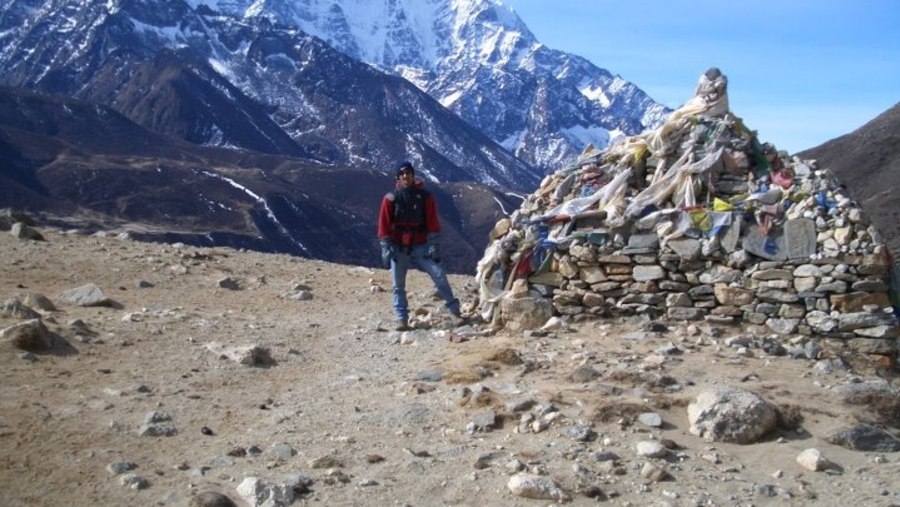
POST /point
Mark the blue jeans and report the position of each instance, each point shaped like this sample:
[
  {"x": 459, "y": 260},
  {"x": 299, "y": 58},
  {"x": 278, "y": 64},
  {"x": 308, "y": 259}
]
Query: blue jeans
[{"x": 401, "y": 263}]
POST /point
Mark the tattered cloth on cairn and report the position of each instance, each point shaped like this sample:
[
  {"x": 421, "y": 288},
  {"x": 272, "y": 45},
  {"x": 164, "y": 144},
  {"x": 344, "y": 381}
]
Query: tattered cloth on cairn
[{"x": 695, "y": 220}]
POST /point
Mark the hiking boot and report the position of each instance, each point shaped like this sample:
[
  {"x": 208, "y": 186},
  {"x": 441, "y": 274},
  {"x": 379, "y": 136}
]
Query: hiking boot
[
  {"x": 458, "y": 320},
  {"x": 402, "y": 325}
]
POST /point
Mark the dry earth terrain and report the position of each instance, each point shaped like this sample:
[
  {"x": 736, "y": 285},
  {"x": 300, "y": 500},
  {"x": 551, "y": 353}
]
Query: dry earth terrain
[{"x": 343, "y": 411}]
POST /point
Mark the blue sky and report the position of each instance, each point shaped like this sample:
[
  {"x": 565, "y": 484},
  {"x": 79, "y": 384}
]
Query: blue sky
[{"x": 800, "y": 72}]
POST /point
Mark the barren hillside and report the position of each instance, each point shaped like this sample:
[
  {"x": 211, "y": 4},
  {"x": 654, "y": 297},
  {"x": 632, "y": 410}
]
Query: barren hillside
[
  {"x": 336, "y": 410},
  {"x": 868, "y": 161}
]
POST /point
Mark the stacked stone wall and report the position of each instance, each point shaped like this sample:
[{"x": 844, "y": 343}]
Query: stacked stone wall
[
  {"x": 697, "y": 221},
  {"x": 843, "y": 297}
]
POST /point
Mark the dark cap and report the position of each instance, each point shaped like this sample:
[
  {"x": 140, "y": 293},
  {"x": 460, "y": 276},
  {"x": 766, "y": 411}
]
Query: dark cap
[{"x": 403, "y": 167}]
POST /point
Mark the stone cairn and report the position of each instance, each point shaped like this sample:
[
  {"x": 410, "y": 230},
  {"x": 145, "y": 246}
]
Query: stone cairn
[{"x": 695, "y": 220}]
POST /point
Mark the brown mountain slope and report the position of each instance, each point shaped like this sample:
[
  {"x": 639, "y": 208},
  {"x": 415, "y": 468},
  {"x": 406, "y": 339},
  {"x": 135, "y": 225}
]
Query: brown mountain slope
[
  {"x": 868, "y": 162},
  {"x": 77, "y": 164}
]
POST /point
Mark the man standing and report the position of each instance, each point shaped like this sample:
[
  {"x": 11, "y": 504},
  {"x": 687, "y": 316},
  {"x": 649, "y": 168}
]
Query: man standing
[{"x": 408, "y": 229}]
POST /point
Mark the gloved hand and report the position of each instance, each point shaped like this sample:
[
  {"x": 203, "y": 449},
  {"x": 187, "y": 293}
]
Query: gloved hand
[
  {"x": 387, "y": 252},
  {"x": 434, "y": 248}
]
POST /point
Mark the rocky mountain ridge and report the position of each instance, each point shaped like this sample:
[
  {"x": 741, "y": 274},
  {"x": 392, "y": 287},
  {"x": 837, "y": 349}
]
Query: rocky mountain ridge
[
  {"x": 218, "y": 80},
  {"x": 480, "y": 60}
]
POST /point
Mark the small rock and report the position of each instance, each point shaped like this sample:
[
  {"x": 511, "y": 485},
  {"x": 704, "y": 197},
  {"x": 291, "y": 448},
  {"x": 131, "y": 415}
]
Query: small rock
[
  {"x": 302, "y": 295},
  {"x": 418, "y": 454},
  {"x": 602, "y": 456},
  {"x": 812, "y": 459},
  {"x": 81, "y": 328},
  {"x": 580, "y": 433},
  {"x": 766, "y": 490},
  {"x": 228, "y": 283},
  {"x": 134, "y": 482},
  {"x": 651, "y": 419},
  {"x": 712, "y": 457},
  {"x": 435, "y": 375},
  {"x": 237, "y": 452},
  {"x": 483, "y": 461},
  {"x": 593, "y": 492},
  {"x": 258, "y": 493},
  {"x": 120, "y": 467},
  {"x": 249, "y": 355},
  {"x": 326, "y": 462},
  {"x": 515, "y": 466},
  {"x": 651, "y": 449},
  {"x": 211, "y": 499},
  {"x": 485, "y": 421},
  {"x": 158, "y": 424},
  {"x": 536, "y": 487},
  {"x": 539, "y": 426},
  {"x": 299, "y": 483},
  {"x": 584, "y": 374},
  {"x": 654, "y": 473},
  {"x": 283, "y": 451},
  {"x": 519, "y": 405}
]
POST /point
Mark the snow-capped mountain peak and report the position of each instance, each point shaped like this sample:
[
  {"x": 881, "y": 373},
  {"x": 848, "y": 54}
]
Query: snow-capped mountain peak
[
  {"x": 479, "y": 59},
  {"x": 474, "y": 57}
]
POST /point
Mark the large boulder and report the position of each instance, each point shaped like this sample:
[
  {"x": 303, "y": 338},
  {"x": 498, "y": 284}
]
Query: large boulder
[
  {"x": 864, "y": 437},
  {"x": 22, "y": 231},
  {"x": 86, "y": 295},
  {"x": 525, "y": 313},
  {"x": 28, "y": 335},
  {"x": 731, "y": 415}
]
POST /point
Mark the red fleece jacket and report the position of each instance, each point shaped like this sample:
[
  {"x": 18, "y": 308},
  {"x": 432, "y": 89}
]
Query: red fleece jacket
[{"x": 388, "y": 229}]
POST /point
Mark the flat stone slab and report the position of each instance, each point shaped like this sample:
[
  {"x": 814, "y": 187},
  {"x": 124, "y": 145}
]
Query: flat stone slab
[
  {"x": 647, "y": 273},
  {"x": 755, "y": 243},
  {"x": 641, "y": 241},
  {"x": 732, "y": 236},
  {"x": 688, "y": 249},
  {"x": 800, "y": 238}
]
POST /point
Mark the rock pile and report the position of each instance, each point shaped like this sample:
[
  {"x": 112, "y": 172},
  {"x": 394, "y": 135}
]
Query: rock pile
[{"x": 696, "y": 220}]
